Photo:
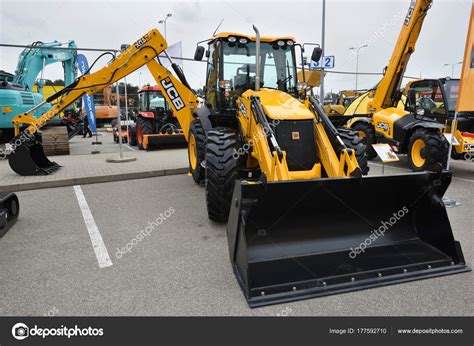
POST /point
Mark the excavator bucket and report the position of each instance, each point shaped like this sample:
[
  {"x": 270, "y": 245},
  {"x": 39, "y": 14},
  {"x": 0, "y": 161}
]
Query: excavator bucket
[
  {"x": 28, "y": 158},
  {"x": 302, "y": 239},
  {"x": 9, "y": 210}
]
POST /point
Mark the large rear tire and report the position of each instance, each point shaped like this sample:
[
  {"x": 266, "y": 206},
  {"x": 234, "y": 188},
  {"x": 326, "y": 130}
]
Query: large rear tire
[
  {"x": 353, "y": 141},
  {"x": 196, "y": 151},
  {"x": 367, "y": 132},
  {"x": 221, "y": 172},
  {"x": 132, "y": 134},
  {"x": 427, "y": 151},
  {"x": 144, "y": 127}
]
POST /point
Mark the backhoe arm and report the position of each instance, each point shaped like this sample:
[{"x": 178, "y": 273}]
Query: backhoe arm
[{"x": 142, "y": 52}]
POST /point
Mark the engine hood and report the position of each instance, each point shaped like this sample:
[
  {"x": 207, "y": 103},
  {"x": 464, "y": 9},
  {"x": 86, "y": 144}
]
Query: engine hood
[{"x": 280, "y": 105}]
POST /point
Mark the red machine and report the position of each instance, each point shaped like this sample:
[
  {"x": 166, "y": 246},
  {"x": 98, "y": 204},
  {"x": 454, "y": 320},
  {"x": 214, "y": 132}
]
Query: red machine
[{"x": 156, "y": 125}]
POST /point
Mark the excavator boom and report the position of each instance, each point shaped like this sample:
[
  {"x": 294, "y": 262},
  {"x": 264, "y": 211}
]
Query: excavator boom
[
  {"x": 386, "y": 93},
  {"x": 28, "y": 157}
]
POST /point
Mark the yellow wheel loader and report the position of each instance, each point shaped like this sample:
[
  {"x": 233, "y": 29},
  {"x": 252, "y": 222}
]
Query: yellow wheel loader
[
  {"x": 344, "y": 99},
  {"x": 303, "y": 220}
]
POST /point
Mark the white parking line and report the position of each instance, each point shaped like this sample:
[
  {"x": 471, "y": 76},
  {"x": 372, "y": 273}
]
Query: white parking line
[
  {"x": 129, "y": 147},
  {"x": 97, "y": 242}
]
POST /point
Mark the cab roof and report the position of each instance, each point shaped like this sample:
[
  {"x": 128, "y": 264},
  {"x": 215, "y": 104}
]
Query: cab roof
[
  {"x": 149, "y": 88},
  {"x": 226, "y": 34}
]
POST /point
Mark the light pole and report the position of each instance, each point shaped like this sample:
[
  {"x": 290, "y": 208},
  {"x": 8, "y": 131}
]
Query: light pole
[
  {"x": 123, "y": 48},
  {"x": 163, "y": 21},
  {"x": 452, "y": 67},
  {"x": 357, "y": 50},
  {"x": 139, "y": 83},
  {"x": 323, "y": 45}
]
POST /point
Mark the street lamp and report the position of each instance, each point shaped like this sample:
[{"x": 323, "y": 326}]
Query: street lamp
[
  {"x": 357, "y": 50},
  {"x": 163, "y": 21},
  {"x": 323, "y": 47},
  {"x": 452, "y": 67}
]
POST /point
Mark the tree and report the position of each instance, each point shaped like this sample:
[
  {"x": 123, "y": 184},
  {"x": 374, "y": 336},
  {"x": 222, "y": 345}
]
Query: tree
[{"x": 55, "y": 82}]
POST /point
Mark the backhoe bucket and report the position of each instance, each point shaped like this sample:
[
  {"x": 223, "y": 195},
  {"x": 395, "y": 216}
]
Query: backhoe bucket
[
  {"x": 9, "y": 210},
  {"x": 28, "y": 158},
  {"x": 302, "y": 239}
]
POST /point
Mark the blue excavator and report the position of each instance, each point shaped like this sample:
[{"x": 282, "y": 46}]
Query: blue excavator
[{"x": 17, "y": 93}]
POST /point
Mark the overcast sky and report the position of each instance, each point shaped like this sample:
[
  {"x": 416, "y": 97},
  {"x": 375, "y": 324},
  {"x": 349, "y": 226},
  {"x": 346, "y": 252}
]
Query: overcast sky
[{"x": 108, "y": 24}]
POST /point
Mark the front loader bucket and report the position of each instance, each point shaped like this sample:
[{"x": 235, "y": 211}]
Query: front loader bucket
[
  {"x": 28, "y": 158},
  {"x": 9, "y": 211},
  {"x": 302, "y": 239}
]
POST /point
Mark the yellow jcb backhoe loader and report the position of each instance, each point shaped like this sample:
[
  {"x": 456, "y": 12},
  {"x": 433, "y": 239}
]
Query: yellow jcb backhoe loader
[{"x": 303, "y": 221}]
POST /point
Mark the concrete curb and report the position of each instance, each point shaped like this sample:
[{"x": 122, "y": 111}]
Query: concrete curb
[{"x": 91, "y": 180}]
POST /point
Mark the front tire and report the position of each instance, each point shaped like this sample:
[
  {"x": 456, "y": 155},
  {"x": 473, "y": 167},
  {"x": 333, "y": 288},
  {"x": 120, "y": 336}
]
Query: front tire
[
  {"x": 352, "y": 141},
  {"x": 427, "y": 151},
  {"x": 196, "y": 151},
  {"x": 367, "y": 132},
  {"x": 132, "y": 134},
  {"x": 221, "y": 172}
]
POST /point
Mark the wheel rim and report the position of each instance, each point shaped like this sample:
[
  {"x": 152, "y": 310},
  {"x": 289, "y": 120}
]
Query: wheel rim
[
  {"x": 192, "y": 152},
  {"x": 417, "y": 156},
  {"x": 361, "y": 134}
]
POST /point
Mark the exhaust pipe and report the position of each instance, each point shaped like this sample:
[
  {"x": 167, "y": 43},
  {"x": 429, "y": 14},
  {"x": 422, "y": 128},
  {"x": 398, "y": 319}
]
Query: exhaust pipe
[{"x": 257, "y": 58}]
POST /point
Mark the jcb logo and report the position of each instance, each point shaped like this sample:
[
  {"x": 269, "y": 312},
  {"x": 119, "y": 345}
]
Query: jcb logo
[
  {"x": 469, "y": 147},
  {"x": 140, "y": 42},
  {"x": 410, "y": 12},
  {"x": 382, "y": 126},
  {"x": 173, "y": 94}
]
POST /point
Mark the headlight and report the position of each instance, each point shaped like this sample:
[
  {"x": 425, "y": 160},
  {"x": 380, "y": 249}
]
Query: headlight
[
  {"x": 289, "y": 43},
  {"x": 232, "y": 39},
  {"x": 281, "y": 43},
  {"x": 243, "y": 40},
  {"x": 300, "y": 86},
  {"x": 225, "y": 84}
]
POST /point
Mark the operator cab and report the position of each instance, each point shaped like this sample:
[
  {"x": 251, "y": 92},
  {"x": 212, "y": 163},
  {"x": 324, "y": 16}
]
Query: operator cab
[
  {"x": 151, "y": 101},
  {"x": 231, "y": 68},
  {"x": 436, "y": 99}
]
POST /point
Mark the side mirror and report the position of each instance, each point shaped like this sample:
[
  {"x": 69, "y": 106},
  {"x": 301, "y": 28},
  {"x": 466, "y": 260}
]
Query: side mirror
[
  {"x": 316, "y": 55},
  {"x": 411, "y": 98},
  {"x": 199, "y": 53}
]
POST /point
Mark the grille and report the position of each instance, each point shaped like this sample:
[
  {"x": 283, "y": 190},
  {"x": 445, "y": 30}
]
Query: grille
[
  {"x": 297, "y": 139},
  {"x": 27, "y": 98}
]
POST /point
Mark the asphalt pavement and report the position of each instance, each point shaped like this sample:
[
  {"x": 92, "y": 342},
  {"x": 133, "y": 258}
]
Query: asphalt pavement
[{"x": 49, "y": 262}]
